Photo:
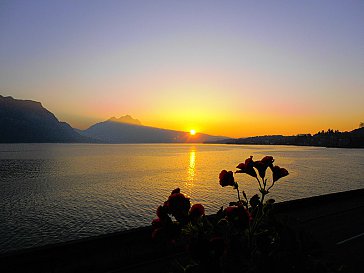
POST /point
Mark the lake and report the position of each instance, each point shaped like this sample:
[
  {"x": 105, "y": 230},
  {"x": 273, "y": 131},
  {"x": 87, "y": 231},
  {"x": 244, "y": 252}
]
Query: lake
[{"x": 58, "y": 192}]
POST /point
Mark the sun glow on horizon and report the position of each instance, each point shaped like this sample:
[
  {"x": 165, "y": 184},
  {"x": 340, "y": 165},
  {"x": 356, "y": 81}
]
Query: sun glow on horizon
[{"x": 186, "y": 71}]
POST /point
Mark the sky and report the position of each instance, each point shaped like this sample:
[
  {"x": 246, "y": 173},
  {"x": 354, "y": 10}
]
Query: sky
[{"x": 232, "y": 68}]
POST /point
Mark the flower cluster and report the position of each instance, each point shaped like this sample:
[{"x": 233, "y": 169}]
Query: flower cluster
[
  {"x": 238, "y": 216},
  {"x": 177, "y": 205},
  {"x": 232, "y": 231},
  {"x": 251, "y": 167},
  {"x": 227, "y": 178}
]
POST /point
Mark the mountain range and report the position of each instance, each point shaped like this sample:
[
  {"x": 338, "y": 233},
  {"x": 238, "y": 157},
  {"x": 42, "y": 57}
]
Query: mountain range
[
  {"x": 123, "y": 130},
  {"x": 26, "y": 121}
]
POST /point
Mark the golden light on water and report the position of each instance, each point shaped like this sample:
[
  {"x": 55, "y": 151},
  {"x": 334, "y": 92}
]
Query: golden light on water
[{"x": 191, "y": 170}]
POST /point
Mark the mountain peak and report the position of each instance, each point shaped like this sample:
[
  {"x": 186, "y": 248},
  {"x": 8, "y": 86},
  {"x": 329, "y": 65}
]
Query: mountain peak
[
  {"x": 9, "y": 100},
  {"x": 125, "y": 119}
]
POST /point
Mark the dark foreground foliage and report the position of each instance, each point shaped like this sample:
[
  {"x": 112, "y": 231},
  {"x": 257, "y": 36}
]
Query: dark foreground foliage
[{"x": 246, "y": 236}]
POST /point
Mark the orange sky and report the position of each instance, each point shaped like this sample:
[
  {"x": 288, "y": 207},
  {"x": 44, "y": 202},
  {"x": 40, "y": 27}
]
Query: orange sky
[{"x": 236, "y": 68}]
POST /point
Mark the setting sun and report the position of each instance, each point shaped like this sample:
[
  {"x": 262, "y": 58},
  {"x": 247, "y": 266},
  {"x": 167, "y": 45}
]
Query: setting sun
[{"x": 192, "y": 132}]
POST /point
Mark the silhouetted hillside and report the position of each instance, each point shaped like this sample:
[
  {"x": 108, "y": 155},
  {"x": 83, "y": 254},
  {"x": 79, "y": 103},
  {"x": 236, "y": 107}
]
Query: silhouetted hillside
[
  {"x": 329, "y": 138},
  {"x": 28, "y": 121},
  {"x": 358, "y": 132},
  {"x": 116, "y": 131}
]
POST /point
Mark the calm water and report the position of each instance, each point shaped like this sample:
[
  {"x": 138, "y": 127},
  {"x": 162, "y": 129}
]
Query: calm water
[{"x": 58, "y": 192}]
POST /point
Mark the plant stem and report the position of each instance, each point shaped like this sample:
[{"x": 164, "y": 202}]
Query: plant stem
[
  {"x": 270, "y": 186},
  {"x": 263, "y": 192},
  {"x": 260, "y": 185},
  {"x": 247, "y": 204},
  {"x": 238, "y": 194},
  {"x": 259, "y": 214},
  {"x": 263, "y": 195}
]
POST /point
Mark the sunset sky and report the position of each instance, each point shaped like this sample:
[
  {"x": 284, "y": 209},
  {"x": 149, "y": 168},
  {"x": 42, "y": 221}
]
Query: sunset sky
[{"x": 233, "y": 68}]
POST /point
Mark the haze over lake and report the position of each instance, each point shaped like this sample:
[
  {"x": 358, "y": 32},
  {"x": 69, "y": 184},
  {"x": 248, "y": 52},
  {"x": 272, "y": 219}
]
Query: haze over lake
[{"x": 59, "y": 192}]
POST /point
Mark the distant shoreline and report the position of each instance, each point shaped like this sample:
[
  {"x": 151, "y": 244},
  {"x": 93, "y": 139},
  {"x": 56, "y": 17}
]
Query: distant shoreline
[
  {"x": 297, "y": 145},
  {"x": 328, "y": 139},
  {"x": 189, "y": 143}
]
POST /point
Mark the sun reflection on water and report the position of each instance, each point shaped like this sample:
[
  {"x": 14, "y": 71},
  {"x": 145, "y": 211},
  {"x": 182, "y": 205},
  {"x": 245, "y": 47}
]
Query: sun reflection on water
[{"x": 191, "y": 172}]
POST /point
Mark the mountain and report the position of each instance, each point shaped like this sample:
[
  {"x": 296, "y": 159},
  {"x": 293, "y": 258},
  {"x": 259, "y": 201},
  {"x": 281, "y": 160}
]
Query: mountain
[
  {"x": 117, "y": 131},
  {"x": 26, "y": 121},
  {"x": 126, "y": 119}
]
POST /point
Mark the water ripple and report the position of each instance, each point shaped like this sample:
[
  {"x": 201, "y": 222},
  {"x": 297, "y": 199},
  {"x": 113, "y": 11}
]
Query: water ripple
[{"x": 58, "y": 192}]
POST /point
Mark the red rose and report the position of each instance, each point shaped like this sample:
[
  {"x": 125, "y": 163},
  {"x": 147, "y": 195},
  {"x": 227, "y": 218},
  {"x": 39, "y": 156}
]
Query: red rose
[
  {"x": 177, "y": 190},
  {"x": 238, "y": 216},
  {"x": 268, "y": 160},
  {"x": 179, "y": 205},
  {"x": 227, "y": 178},
  {"x": 247, "y": 167},
  {"x": 196, "y": 211},
  {"x": 278, "y": 173},
  {"x": 162, "y": 212},
  {"x": 157, "y": 223},
  {"x": 249, "y": 162},
  {"x": 263, "y": 164}
]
